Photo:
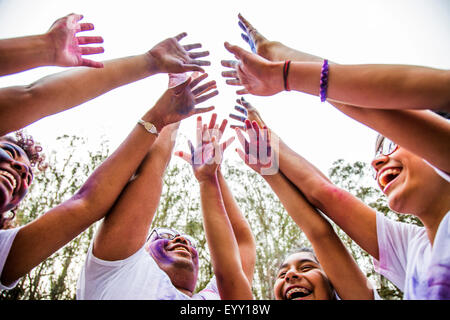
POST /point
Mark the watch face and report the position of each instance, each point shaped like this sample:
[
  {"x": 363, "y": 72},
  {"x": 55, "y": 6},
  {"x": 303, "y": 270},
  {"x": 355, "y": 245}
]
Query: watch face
[{"x": 148, "y": 126}]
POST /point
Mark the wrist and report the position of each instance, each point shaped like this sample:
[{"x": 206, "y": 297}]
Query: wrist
[
  {"x": 47, "y": 48},
  {"x": 276, "y": 72},
  {"x": 208, "y": 180},
  {"x": 153, "y": 117},
  {"x": 151, "y": 61}
]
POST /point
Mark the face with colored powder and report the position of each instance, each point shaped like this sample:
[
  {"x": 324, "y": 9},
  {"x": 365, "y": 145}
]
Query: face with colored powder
[
  {"x": 177, "y": 257},
  {"x": 300, "y": 277},
  {"x": 15, "y": 175}
]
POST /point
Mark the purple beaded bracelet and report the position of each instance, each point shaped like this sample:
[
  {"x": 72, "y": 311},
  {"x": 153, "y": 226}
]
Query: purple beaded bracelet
[{"x": 324, "y": 81}]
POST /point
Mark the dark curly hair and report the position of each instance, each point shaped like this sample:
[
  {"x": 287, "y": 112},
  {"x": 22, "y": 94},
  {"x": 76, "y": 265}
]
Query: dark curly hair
[{"x": 33, "y": 151}]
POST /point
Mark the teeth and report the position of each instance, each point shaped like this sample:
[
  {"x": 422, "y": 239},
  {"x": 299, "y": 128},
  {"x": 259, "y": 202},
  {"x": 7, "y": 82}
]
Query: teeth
[
  {"x": 10, "y": 178},
  {"x": 297, "y": 289},
  {"x": 383, "y": 179},
  {"x": 180, "y": 249}
]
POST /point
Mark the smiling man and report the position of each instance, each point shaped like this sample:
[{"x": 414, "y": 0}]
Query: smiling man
[{"x": 126, "y": 262}]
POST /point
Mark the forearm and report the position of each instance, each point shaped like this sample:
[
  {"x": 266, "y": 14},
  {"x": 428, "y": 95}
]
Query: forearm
[
  {"x": 277, "y": 51},
  {"x": 19, "y": 54},
  {"x": 420, "y": 131},
  {"x": 224, "y": 251},
  {"x": 105, "y": 184},
  {"x": 348, "y": 279},
  {"x": 315, "y": 227},
  {"x": 23, "y": 105},
  {"x": 303, "y": 174},
  {"x": 61, "y": 224},
  {"x": 348, "y": 212},
  {"x": 241, "y": 228},
  {"x": 124, "y": 229},
  {"x": 376, "y": 86}
]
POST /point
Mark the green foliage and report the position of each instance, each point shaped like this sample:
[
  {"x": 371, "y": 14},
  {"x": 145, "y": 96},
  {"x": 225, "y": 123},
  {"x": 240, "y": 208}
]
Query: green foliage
[
  {"x": 56, "y": 277},
  {"x": 275, "y": 232}
]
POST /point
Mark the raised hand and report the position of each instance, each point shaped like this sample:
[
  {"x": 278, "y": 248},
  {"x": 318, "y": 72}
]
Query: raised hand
[
  {"x": 258, "y": 153},
  {"x": 207, "y": 155},
  {"x": 257, "y": 75},
  {"x": 171, "y": 57},
  {"x": 255, "y": 40},
  {"x": 179, "y": 101},
  {"x": 249, "y": 112},
  {"x": 68, "y": 51}
]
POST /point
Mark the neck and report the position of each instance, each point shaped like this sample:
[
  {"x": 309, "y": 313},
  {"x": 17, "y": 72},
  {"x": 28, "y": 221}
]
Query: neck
[
  {"x": 432, "y": 216},
  {"x": 185, "y": 291}
]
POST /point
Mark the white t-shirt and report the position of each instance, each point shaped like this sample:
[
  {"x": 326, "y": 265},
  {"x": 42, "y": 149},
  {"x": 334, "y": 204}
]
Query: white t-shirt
[
  {"x": 407, "y": 258},
  {"x": 137, "y": 277},
  {"x": 6, "y": 240}
]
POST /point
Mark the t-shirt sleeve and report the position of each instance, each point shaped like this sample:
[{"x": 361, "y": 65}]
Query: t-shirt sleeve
[
  {"x": 6, "y": 240},
  {"x": 210, "y": 292},
  {"x": 438, "y": 276},
  {"x": 393, "y": 240},
  {"x": 98, "y": 275}
]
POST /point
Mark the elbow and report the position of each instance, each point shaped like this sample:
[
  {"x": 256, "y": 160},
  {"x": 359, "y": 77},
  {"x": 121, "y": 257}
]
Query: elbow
[{"x": 325, "y": 193}]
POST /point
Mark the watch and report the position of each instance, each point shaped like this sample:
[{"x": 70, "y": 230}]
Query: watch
[{"x": 150, "y": 127}]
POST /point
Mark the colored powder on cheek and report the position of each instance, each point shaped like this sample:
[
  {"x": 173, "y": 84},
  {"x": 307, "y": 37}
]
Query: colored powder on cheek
[{"x": 158, "y": 251}]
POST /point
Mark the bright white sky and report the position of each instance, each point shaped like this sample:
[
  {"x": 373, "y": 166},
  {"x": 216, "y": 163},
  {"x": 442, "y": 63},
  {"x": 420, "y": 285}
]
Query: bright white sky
[{"x": 349, "y": 32}]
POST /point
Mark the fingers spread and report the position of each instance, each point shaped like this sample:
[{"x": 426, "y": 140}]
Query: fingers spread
[
  {"x": 233, "y": 82},
  {"x": 184, "y": 155},
  {"x": 91, "y": 50},
  {"x": 86, "y": 40},
  {"x": 180, "y": 36},
  {"x": 205, "y": 97},
  {"x": 238, "y": 118},
  {"x": 226, "y": 144},
  {"x": 204, "y": 88},
  {"x": 202, "y": 110},
  {"x": 212, "y": 122},
  {"x": 229, "y": 74},
  {"x": 196, "y": 79},
  {"x": 242, "y": 91},
  {"x": 230, "y": 63},
  {"x": 189, "y": 47},
  {"x": 86, "y": 26},
  {"x": 242, "y": 140},
  {"x": 195, "y": 55}
]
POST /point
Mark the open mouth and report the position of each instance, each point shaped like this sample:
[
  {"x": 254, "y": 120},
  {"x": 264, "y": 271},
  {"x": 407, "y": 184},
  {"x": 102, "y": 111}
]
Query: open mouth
[
  {"x": 297, "y": 293},
  {"x": 387, "y": 176},
  {"x": 180, "y": 249},
  {"x": 10, "y": 178}
]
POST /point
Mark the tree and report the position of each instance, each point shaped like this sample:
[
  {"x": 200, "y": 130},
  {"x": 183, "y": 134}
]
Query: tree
[{"x": 275, "y": 232}]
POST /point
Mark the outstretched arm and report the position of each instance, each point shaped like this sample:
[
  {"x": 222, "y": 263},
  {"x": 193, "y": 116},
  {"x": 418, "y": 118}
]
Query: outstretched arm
[
  {"x": 351, "y": 214},
  {"x": 124, "y": 229},
  {"x": 232, "y": 280},
  {"x": 241, "y": 228},
  {"x": 59, "y": 46},
  {"x": 98, "y": 194},
  {"x": 372, "y": 85},
  {"x": 348, "y": 280},
  {"x": 23, "y": 105},
  {"x": 431, "y": 132}
]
